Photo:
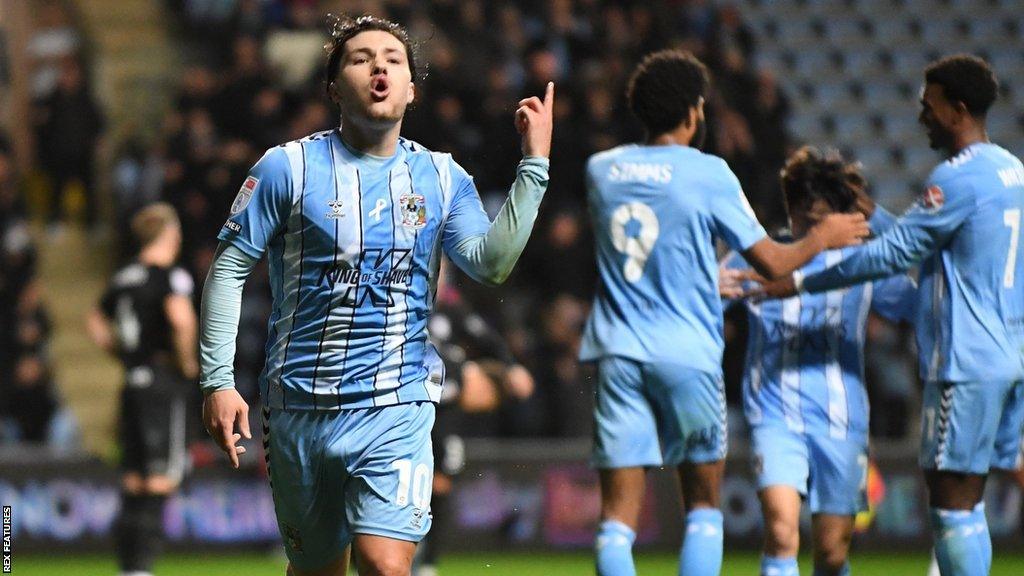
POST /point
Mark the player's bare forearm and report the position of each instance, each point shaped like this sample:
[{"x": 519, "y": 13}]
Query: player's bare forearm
[
  {"x": 182, "y": 317},
  {"x": 774, "y": 259},
  {"x": 100, "y": 331}
]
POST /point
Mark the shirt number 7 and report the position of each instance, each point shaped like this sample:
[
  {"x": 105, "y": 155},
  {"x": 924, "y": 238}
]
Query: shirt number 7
[{"x": 1011, "y": 218}]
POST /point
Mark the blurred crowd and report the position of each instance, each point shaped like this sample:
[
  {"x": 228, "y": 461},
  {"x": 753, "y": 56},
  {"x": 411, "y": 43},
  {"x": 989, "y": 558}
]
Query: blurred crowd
[
  {"x": 66, "y": 125},
  {"x": 30, "y": 410},
  {"x": 253, "y": 79}
]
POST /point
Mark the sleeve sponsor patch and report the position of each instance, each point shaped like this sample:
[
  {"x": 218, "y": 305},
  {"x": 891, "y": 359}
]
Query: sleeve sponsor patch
[
  {"x": 244, "y": 194},
  {"x": 233, "y": 226}
]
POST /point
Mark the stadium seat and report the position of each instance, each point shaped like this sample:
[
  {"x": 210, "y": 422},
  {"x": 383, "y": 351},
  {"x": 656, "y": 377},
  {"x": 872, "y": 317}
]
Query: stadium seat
[
  {"x": 1014, "y": 91},
  {"x": 918, "y": 160},
  {"x": 876, "y": 8},
  {"x": 892, "y": 31},
  {"x": 1004, "y": 122},
  {"x": 926, "y": 8},
  {"x": 815, "y": 64},
  {"x": 766, "y": 27},
  {"x": 807, "y": 128},
  {"x": 852, "y": 130},
  {"x": 908, "y": 63},
  {"x": 940, "y": 33},
  {"x": 987, "y": 29},
  {"x": 900, "y": 126},
  {"x": 770, "y": 59},
  {"x": 845, "y": 33},
  {"x": 892, "y": 192},
  {"x": 883, "y": 96},
  {"x": 836, "y": 97},
  {"x": 862, "y": 62},
  {"x": 797, "y": 32},
  {"x": 829, "y": 9},
  {"x": 1008, "y": 64}
]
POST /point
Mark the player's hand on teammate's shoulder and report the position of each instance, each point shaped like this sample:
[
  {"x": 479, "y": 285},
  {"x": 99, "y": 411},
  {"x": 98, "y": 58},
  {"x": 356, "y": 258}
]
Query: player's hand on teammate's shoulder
[
  {"x": 534, "y": 122},
  {"x": 838, "y": 230},
  {"x": 221, "y": 411},
  {"x": 733, "y": 283}
]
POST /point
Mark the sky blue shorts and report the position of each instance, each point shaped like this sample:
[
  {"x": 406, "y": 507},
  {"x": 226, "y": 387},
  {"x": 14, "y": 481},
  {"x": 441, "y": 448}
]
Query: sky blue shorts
[
  {"x": 970, "y": 427},
  {"x": 657, "y": 414},
  {"x": 335, "y": 474},
  {"x": 830, "y": 473}
]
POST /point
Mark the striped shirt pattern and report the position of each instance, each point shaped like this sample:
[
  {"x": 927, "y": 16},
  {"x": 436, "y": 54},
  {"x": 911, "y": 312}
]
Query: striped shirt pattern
[
  {"x": 805, "y": 354},
  {"x": 354, "y": 244}
]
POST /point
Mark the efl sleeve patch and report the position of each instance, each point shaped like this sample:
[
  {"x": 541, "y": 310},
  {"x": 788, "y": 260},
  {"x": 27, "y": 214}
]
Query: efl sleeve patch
[
  {"x": 244, "y": 194},
  {"x": 933, "y": 198}
]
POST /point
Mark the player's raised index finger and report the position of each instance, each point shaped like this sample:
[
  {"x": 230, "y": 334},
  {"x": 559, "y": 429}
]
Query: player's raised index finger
[{"x": 549, "y": 96}]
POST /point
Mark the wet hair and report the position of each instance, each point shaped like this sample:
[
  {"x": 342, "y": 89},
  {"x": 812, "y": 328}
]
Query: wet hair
[
  {"x": 149, "y": 222},
  {"x": 663, "y": 88},
  {"x": 810, "y": 175},
  {"x": 344, "y": 28},
  {"x": 965, "y": 78}
]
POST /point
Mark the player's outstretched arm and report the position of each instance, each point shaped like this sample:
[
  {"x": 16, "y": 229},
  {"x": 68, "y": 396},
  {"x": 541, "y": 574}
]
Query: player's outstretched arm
[
  {"x": 223, "y": 407},
  {"x": 775, "y": 259},
  {"x": 913, "y": 237},
  {"x": 490, "y": 257}
]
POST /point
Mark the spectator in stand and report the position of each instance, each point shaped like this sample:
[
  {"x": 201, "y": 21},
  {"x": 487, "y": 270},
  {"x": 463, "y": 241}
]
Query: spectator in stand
[
  {"x": 53, "y": 41},
  {"x": 68, "y": 126}
]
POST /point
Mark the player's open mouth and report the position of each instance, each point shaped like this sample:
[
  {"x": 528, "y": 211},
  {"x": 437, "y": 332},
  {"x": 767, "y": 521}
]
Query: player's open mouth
[{"x": 380, "y": 88}]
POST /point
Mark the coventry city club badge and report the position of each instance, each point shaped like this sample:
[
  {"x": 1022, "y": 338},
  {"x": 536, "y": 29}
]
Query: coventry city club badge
[
  {"x": 414, "y": 211},
  {"x": 244, "y": 194}
]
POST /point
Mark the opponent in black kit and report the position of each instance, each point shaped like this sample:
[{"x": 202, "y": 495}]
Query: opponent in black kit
[
  {"x": 483, "y": 391},
  {"x": 146, "y": 318}
]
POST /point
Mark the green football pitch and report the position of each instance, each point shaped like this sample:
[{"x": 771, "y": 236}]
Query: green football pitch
[{"x": 482, "y": 564}]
